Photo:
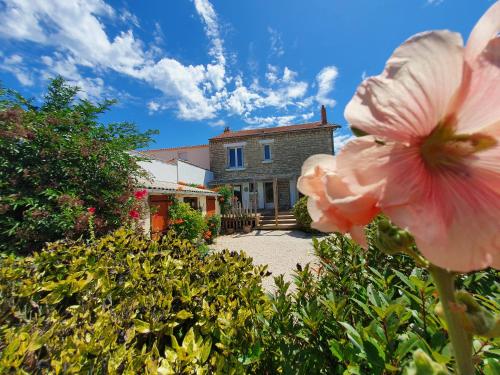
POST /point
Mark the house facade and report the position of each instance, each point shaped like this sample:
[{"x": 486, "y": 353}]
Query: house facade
[
  {"x": 176, "y": 178},
  {"x": 263, "y": 165}
]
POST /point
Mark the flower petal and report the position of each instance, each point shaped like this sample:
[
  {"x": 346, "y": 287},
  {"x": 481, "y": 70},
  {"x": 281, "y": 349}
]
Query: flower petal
[
  {"x": 455, "y": 223},
  {"x": 486, "y": 28},
  {"x": 392, "y": 171},
  {"x": 412, "y": 94},
  {"x": 480, "y": 107},
  {"x": 332, "y": 205}
]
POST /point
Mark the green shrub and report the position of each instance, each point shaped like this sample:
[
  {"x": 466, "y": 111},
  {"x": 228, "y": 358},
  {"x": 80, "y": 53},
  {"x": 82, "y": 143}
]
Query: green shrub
[
  {"x": 213, "y": 228},
  {"x": 58, "y": 160},
  {"x": 125, "y": 304},
  {"x": 225, "y": 196},
  {"x": 187, "y": 222},
  {"x": 301, "y": 214},
  {"x": 363, "y": 312}
]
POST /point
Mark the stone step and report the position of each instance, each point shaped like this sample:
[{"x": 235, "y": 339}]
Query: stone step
[
  {"x": 283, "y": 216},
  {"x": 280, "y": 220},
  {"x": 279, "y": 226}
]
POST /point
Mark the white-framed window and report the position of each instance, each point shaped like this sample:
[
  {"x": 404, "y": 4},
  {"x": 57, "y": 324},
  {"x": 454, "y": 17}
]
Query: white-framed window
[
  {"x": 235, "y": 157},
  {"x": 267, "y": 152}
]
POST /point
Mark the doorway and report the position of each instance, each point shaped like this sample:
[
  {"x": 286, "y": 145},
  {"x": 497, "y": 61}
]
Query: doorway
[
  {"x": 268, "y": 195},
  {"x": 237, "y": 192},
  {"x": 210, "y": 206},
  {"x": 159, "y": 215}
]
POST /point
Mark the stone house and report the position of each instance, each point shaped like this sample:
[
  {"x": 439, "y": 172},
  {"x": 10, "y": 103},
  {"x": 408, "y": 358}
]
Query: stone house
[{"x": 263, "y": 165}]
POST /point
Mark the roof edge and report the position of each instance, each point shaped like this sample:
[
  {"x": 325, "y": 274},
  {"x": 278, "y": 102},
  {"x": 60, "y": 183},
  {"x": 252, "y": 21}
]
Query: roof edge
[
  {"x": 174, "y": 148},
  {"x": 286, "y": 129}
]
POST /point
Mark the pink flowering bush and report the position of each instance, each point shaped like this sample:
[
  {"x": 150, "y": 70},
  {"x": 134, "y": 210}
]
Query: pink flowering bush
[
  {"x": 64, "y": 173},
  {"x": 428, "y": 157}
]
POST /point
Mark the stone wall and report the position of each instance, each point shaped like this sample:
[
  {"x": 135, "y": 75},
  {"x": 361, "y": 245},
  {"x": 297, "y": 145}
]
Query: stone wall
[
  {"x": 283, "y": 194},
  {"x": 289, "y": 150}
]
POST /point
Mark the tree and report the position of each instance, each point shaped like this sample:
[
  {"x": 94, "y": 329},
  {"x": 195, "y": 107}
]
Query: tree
[{"x": 58, "y": 160}]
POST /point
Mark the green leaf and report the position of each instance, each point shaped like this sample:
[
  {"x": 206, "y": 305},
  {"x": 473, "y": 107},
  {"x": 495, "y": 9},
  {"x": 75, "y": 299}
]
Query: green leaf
[
  {"x": 353, "y": 336},
  {"x": 141, "y": 326},
  {"x": 183, "y": 315}
]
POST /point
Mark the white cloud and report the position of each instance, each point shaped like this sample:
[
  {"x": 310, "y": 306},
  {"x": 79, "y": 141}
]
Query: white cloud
[
  {"x": 217, "y": 124},
  {"x": 153, "y": 106},
  {"x": 326, "y": 82},
  {"x": 75, "y": 30},
  {"x": 339, "y": 141},
  {"x": 128, "y": 17},
  {"x": 266, "y": 122},
  {"x": 434, "y": 2},
  {"x": 272, "y": 73},
  {"x": 288, "y": 75},
  {"x": 277, "y": 48},
  {"x": 207, "y": 13},
  {"x": 14, "y": 64},
  {"x": 364, "y": 75}
]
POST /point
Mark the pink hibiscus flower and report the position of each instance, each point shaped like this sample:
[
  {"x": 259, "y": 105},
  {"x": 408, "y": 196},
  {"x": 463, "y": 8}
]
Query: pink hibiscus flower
[
  {"x": 432, "y": 156},
  {"x": 140, "y": 194},
  {"x": 134, "y": 214}
]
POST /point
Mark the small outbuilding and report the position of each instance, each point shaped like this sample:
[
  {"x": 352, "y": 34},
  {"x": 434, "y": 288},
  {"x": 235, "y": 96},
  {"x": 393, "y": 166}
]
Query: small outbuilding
[{"x": 179, "y": 179}]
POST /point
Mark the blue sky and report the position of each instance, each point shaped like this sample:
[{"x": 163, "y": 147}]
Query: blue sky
[{"x": 189, "y": 68}]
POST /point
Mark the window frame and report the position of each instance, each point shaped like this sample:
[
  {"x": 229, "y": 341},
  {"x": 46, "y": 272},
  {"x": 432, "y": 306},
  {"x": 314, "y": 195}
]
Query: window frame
[
  {"x": 268, "y": 146},
  {"x": 240, "y": 157}
]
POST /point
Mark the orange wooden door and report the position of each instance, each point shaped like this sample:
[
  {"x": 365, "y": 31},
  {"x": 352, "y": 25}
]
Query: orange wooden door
[
  {"x": 210, "y": 206},
  {"x": 159, "y": 217}
]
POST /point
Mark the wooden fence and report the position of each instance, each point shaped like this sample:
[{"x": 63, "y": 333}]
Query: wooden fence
[{"x": 239, "y": 216}]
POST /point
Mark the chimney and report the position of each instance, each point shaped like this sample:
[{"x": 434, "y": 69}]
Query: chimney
[
  {"x": 226, "y": 129},
  {"x": 323, "y": 115}
]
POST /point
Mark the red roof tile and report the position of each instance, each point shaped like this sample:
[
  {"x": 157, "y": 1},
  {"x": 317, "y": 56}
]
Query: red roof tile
[
  {"x": 277, "y": 129},
  {"x": 174, "y": 148}
]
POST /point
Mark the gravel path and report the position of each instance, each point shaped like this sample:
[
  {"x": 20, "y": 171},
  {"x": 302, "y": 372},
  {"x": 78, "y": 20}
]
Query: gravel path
[{"x": 281, "y": 250}]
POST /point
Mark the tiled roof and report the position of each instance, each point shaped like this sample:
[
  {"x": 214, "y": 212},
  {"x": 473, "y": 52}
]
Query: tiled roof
[
  {"x": 171, "y": 187},
  {"x": 277, "y": 129},
  {"x": 174, "y": 148}
]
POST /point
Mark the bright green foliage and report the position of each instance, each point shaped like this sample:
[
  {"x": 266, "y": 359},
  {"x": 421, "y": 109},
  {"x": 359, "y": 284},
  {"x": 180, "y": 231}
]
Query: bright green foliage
[
  {"x": 187, "y": 222},
  {"x": 226, "y": 194},
  {"x": 301, "y": 214},
  {"x": 56, "y": 161},
  {"x": 125, "y": 304},
  {"x": 363, "y": 312}
]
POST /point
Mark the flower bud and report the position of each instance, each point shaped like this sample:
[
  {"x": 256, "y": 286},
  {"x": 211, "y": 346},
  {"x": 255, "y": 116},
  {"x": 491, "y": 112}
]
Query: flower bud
[
  {"x": 477, "y": 320},
  {"x": 424, "y": 365},
  {"x": 391, "y": 239}
]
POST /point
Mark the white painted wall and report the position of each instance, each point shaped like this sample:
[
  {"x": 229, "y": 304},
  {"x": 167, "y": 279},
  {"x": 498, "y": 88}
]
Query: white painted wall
[
  {"x": 198, "y": 155},
  {"x": 192, "y": 174},
  {"x": 260, "y": 193},
  {"x": 159, "y": 170},
  {"x": 175, "y": 172}
]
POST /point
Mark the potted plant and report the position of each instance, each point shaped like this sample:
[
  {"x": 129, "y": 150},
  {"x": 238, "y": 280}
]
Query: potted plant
[
  {"x": 247, "y": 224},
  {"x": 229, "y": 230}
]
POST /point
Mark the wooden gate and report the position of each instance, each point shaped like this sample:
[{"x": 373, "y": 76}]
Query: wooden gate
[
  {"x": 159, "y": 215},
  {"x": 210, "y": 206}
]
